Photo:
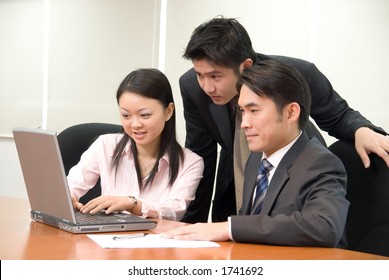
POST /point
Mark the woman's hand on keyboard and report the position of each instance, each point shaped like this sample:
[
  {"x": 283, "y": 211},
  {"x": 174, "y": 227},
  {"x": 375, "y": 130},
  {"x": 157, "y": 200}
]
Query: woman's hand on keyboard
[
  {"x": 108, "y": 203},
  {"x": 76, "y": 204}
]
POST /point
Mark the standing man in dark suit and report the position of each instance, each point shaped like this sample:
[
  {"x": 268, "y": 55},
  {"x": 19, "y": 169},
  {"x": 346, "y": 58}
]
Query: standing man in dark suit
[
  {"x": 220, "y": 49},
  {"x": 300, "y": 199}
]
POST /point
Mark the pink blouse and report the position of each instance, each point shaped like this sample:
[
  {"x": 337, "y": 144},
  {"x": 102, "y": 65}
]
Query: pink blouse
[{"x": 159, "y": 200}]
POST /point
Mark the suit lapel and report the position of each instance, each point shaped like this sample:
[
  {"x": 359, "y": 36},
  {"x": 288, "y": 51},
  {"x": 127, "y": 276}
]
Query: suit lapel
[
  {"x": 220, "y": 115},
  {"x": 250, "y": 177}
]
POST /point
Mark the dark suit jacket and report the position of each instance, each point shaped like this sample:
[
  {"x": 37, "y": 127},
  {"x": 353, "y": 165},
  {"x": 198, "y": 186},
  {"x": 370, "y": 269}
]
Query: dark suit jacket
[
  {"x": 305, "y": 203},
  {"x": 208, "y": 125}
]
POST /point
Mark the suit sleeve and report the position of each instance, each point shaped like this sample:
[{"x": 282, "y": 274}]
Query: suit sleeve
[{"x": 329, "y": 110}]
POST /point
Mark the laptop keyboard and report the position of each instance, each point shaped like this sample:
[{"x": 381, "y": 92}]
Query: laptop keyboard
[{"x": 88, "y": 219}]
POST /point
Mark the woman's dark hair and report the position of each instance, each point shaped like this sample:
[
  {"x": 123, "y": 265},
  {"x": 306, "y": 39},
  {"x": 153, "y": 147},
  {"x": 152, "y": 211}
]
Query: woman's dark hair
[
  {"x": 152, "y": 83},
  {"x": 222, "y": 41},
  {"x": 279, "y": 82}
]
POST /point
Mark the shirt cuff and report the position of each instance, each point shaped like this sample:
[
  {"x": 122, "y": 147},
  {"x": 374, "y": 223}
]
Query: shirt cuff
[{"x": 229, "y": 229}]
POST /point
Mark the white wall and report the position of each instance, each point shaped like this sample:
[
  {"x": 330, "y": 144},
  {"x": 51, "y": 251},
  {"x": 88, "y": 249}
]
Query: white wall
[
  {"x": 92, "y": 45},
  {"x": 347, "y": 40}
]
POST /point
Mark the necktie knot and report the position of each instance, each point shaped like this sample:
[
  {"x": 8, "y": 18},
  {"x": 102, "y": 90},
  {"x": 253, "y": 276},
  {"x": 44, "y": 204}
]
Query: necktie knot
[{"x": 264, "y": 167}]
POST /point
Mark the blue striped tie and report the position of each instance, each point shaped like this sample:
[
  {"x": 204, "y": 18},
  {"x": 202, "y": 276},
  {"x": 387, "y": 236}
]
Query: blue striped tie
[{"x": 261, "y": 186}]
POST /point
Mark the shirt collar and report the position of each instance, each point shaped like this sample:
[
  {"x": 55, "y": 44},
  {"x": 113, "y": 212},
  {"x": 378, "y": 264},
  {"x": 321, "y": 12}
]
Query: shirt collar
[{"x": 276, "y": 157}]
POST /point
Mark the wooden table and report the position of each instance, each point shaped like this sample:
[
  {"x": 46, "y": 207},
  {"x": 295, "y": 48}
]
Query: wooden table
[{"x": 21, "y": 238}]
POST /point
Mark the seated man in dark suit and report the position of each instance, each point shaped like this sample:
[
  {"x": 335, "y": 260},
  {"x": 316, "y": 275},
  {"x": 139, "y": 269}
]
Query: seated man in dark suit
[{"x": 299, "y": 199}]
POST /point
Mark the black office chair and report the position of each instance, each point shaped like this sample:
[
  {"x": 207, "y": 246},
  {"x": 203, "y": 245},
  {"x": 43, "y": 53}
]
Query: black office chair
[
  {"x": 367, "y": 225},
  {"x": 312, "y": 131},
  {"x": 74, "y": 140}
]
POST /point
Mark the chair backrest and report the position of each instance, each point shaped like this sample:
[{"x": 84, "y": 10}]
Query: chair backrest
[
  {"x": 312, "y": 131},
  {"x": 367, "y": 226},
  {"x": 74, "y": 140}
]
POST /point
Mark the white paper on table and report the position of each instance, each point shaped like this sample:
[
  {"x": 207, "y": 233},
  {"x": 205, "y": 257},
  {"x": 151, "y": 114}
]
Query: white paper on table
[{"x": 148, "y": 241}]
